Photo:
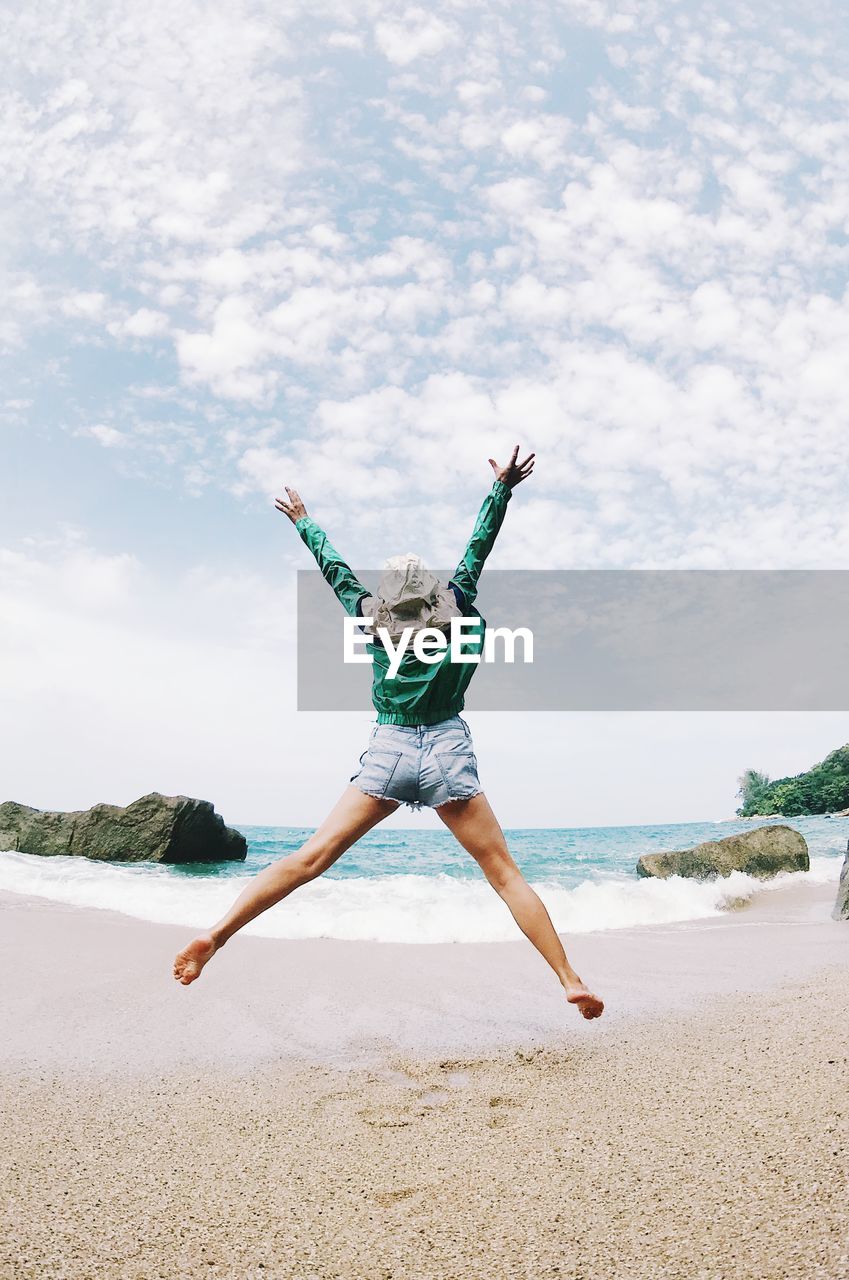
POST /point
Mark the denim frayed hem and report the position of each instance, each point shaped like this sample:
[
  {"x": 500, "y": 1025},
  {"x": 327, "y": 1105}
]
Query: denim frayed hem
[{"x": 415, "y": 806}]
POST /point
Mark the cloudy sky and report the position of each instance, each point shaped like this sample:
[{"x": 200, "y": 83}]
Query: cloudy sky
[{"x": 359, "y": 247}]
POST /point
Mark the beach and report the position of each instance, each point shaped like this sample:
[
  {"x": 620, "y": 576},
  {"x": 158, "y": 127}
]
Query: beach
[{"x": 320, "y": 1108}]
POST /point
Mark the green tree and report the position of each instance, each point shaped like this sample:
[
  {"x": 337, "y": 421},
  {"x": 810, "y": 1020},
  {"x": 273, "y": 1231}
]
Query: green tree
[
  {"x": 821, "y": 789},
  {"x": 752, "y": 788}
]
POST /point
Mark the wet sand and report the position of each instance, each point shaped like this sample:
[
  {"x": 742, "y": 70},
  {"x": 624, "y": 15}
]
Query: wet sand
[{"x": 360, "y": 1110}]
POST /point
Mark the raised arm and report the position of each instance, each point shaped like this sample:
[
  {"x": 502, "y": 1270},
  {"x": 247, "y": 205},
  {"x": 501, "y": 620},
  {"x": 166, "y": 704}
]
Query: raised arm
[
  {"x": 343, "y": 580},
  {"x": 488, "y": 523}
]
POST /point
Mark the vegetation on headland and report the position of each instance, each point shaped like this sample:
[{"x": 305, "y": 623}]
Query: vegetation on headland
[{"x": 823, "y": 789}]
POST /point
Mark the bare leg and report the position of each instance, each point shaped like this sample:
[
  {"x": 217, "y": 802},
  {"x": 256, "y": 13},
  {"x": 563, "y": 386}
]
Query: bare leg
[
  {"x": 351, "y": 817},
  {"x": 476, "y": 827}
]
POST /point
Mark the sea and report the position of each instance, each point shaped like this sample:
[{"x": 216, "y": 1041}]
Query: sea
[{"x": 413, "y": 885}]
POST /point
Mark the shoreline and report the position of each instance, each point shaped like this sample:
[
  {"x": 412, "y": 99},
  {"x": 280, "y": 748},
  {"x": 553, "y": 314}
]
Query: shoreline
[
  {"x": 92, "y": 989},
  {"x": 385, "y": 1111}
]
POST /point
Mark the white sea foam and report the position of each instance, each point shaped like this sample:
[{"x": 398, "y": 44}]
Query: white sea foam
[{"x": 398, "y": 908}]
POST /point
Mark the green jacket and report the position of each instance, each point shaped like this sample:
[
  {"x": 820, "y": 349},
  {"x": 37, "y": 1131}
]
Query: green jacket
[{"x": 421, "y": 692}]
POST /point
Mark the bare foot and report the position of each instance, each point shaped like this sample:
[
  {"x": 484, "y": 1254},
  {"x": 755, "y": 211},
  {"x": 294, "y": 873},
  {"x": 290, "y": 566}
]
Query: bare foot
[
  {"x": 589, "y": 1005},
  {"x": 192, "y": 958}
]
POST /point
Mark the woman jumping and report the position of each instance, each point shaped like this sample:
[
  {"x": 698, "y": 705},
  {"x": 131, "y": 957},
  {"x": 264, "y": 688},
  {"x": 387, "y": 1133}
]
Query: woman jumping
[{"x": 420, "y": 751}]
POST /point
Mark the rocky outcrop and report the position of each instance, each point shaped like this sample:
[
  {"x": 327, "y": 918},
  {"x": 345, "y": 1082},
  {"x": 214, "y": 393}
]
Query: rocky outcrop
[
  {"x": 154, "y": 828},
  {"x": 762, "y": 852},
  {"x": 841, "y": 906}
]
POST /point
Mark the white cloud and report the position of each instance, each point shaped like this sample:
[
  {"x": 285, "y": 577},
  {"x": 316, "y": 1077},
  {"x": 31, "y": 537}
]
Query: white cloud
[
  {"x": 108, "y": 436},
  {"x": 345, "y": 40},
  {"x": 84, "y": 306},
  {"x": 144, "y": 323},
  {"x": 418, "y": 33},
  {"x": 417, "y": 253}
]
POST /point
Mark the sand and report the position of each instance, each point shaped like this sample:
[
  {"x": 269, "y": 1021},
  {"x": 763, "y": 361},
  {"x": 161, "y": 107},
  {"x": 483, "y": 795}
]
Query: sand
[{"x": 378, "y": 1111}]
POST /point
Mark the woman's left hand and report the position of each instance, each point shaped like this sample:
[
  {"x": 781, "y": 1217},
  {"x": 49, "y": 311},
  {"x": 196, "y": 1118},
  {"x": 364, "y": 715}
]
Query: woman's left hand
[
  {"x": 294, "y": 508},
  {"x": 514, "y": 472}
]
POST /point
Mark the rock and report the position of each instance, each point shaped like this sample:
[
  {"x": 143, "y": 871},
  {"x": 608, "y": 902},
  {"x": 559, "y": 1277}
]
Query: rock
[
  {"x": 154, "y": 828},
  {"x": 762, "y": 852},
  {"x": 841, "y": 906}
]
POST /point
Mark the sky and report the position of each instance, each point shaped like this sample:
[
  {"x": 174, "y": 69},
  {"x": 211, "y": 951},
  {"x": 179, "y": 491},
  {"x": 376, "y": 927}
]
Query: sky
[{"x": 359, "y": 248}]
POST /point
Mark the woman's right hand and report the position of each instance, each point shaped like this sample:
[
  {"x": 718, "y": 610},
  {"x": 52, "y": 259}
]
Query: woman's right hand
[{"x": 294, "y": 508}]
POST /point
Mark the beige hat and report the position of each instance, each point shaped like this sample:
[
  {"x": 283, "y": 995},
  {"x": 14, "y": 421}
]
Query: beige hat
[{"x": 409, "y": 595}]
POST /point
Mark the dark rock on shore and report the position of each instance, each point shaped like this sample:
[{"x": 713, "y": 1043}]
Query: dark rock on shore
[
  {"x": 841, "y": 906},
  {"x": 762, "y": 852},
  {"x": 154, "y": 828}
]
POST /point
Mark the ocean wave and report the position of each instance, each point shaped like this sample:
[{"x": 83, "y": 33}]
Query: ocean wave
[{"x": 395, "y": 908}]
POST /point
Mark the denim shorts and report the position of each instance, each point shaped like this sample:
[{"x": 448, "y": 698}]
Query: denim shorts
[{"x": 421, "y": 764}]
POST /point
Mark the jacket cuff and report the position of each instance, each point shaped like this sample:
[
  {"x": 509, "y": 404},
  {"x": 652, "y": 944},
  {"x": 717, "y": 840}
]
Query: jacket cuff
[
  {"x": 302, "y": 523},
  {"x": 504, "y": 489}
]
